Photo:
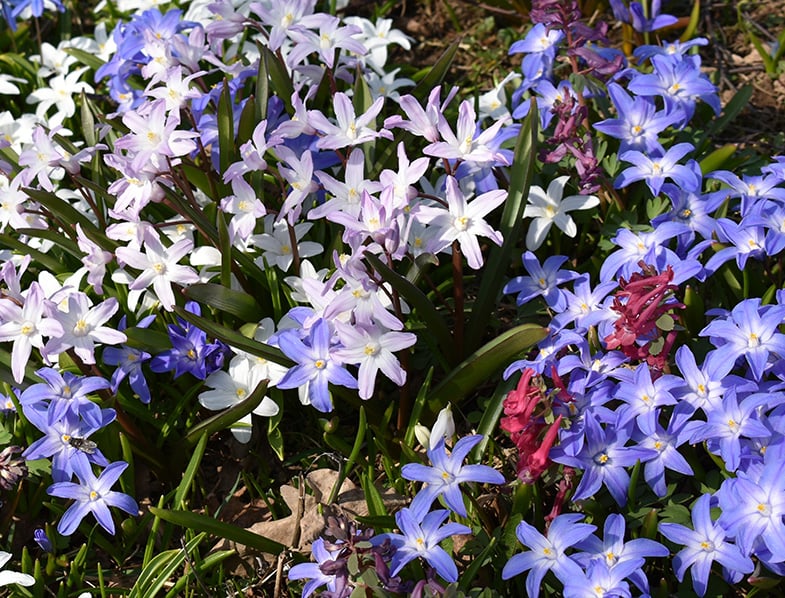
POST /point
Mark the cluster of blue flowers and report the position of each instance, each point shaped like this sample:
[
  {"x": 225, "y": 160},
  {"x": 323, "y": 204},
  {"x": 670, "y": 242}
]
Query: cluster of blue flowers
[
  {"x": 422, "y": 529},
  {"x": 608, "y": 352}
]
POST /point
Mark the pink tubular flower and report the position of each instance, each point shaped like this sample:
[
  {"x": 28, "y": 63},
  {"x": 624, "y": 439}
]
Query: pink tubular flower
[
  {"x": 533, "y": 463},
  {"x": 525, "y": 430},
  {"x": 641, "y": 302}
]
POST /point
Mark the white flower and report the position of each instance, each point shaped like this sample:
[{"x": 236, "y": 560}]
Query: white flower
[
  {"x": 276, "y": 243},
  {"x": 9, "y": 577},
  {"x": 229, "y": 389},
  {"x": 59, "y": 94},
  {"x": 7, "y": 84},
  {"x": 549, "y": 208}
]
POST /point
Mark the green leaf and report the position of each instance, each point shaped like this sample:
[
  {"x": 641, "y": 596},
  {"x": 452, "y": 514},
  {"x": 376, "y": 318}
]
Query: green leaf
[
  {"x": 498, "y": 262},
  {"x": 716, "y": 159},
  {"x": 233, "y": 338},
  {"x": 262, "y": 86},
  {"x": 420, "y": 303},
  {"x": 184, "y": 487},
  {"x": 247, "y": 124},
  {"x": 419, "y": 403},
  {"x": 373, "y": 498},
  {"x": 85, "y": 58},
  {"x": 225, "y": 118},
  {"x": 233, "y": 302},
  {"x": 695, "y": 14},
  {"x": 729, "y": 113},
  {"x": 161, "y": 567},
  {"x": 67, "y": 213},
  {"x": 47, "y": 261},
  {"x": 437, "y": 72},
  {"x": 483, "y": 364},
  {"x": 210, "y": 525},
  {"x": 490, "y": 417},
  {"x": 279, "y": 77},
  {"x": 226, "y": 418}
]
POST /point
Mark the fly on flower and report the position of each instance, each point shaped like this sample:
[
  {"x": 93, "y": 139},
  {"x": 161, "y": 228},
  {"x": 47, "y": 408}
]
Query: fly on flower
[{"x": 82, "y": 444}]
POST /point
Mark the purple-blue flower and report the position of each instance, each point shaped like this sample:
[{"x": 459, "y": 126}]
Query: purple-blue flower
[
  {"x": 548, "y": 553},
  {"x": 655, "y": 166},
  {"x": 751, "y": 331},
  {"x": 317, "y": 364},
  {"x": 618, "y": 554},
  {"x": 313, "y": 571},
  {"x": 129, "y": 363},
  {"x": 543, "y": 280},
  {"x": 703, "y": 545},
  {"x": 638, "y": 123},
  {"x": 603, "y": 459},
  {"x": 92, "y": 495},
  {"x": 420, "y": 537},
  {"x": 446, "y": 474}
]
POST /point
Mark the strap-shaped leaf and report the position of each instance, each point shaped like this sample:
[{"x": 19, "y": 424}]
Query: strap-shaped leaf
[
  {"x": 85, "y": 58},
  {"x": 225, "y": 120},
  {"x": 234, "y": 338},
  {"x": 437, "y": 72},
  {"x": 154, "y": 576},
  {"x": 205, "y": 523},
  {"x": 226, "y": 418},
  {"x": 484, "y": 363},
  {"x": 279, "y": 77},
  {"x": 494, "y": 272},
  {"x": 230, "y": 301}
]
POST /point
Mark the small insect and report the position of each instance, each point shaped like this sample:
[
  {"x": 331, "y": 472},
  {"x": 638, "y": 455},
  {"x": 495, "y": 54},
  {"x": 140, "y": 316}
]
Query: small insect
[{"x": 82, "y": 444}]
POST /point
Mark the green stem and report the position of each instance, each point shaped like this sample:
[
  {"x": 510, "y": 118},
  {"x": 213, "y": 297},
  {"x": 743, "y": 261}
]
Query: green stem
[{"x": 458, "y": 296}]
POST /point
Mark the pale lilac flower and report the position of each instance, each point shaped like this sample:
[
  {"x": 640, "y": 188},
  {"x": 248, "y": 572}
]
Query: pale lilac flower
[
  {"x": 159, "y": 267},
  {"x": 462, "y": 221},
  {"x": 465, "y": 143},
  {"x": 246, "y": 209},
  {"x": 350, "y": 128},
  {"x": 424, "y": 122},
  {"x": 276, "y": 243},
  {"x": 345, "y": 196},
  {"x": 372, "y": 349},
  {"x": 83, "y": 327},
  {"x": 281, "y": 17},
  {"x": 298, "y": 172},
  {"x": 252, "y": 153},
  {"x": 26, "y": 326},
  {"x": 95, "y": 259},
  {"x": 330, "y": 37}
]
